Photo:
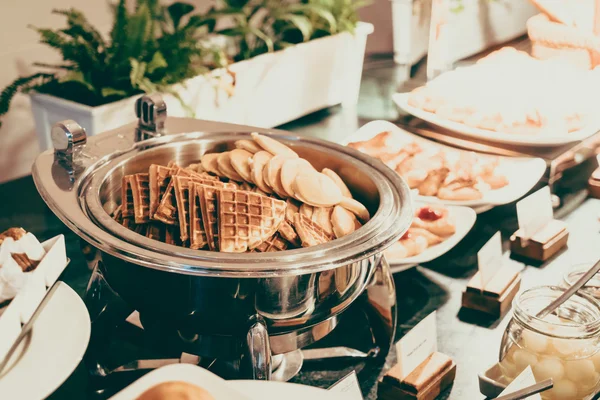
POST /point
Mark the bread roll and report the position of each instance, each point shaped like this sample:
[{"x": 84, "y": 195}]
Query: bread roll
[{"x": 175, "y": 391}]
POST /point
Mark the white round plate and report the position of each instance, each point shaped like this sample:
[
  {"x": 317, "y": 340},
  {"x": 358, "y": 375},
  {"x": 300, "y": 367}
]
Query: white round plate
[
  {"x": 221, "y": 389},
  {"x": 47, "y": 357},
  {"x": 464, "y": 218},
  {"x": 263, "y": 390},
  {"x": 523, "y": 173},
  {"x": 401, "y": 100}
]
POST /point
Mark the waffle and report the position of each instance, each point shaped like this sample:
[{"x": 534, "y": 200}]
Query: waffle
[
  {"x": 141, "y": 198},
  {"x": 246, "y": 219},
  {"x": 156, "y": 231},
  {"x": 287, "y": 231},
  {"x": 167, "y": 208},
  {"x": 198, "y": 238},
  {"x": 127, "y": 197},
  {"x": 117, "y": 216},
  {"x": 275, "y": 243},
  {"x": 159, "y": 178},
  {"x": 208, "y": 208},
  {"x": 310, "y": 233},
  {"x": 182, "y": 196},
  {"x": 171, "y": 235}
]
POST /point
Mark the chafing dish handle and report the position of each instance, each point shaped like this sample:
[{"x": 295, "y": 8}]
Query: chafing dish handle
[{"x": 259, "y": 348}]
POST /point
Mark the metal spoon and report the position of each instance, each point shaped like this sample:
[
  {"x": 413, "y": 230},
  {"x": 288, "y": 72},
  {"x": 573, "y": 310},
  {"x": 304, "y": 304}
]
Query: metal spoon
[
  {"x": 528, "y": 391},
  {"x": 570, "y": 291}
]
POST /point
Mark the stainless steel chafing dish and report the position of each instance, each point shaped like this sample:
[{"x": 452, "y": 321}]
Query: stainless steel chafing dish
[{"x": 272, "y": 303}]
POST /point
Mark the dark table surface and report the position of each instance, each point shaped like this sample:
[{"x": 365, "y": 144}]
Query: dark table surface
[{"x": 470, "y": 339}]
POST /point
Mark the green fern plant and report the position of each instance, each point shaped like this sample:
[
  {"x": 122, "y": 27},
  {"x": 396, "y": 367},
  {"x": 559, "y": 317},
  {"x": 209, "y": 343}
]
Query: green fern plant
[
  {"x": 153, "y": 47},
  {"x": 149, "y": 49}
]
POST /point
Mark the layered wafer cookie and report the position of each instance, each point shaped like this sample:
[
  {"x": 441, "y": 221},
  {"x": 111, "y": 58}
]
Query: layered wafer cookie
[
  {"x": 140, "y": 188},
  {"x": 127, "y": 197},
  {"x": 247, "y": 219}
]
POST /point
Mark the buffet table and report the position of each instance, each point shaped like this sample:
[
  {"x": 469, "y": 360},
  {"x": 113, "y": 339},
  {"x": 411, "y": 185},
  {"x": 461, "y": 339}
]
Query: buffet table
[{"x": 471, "y": 340}]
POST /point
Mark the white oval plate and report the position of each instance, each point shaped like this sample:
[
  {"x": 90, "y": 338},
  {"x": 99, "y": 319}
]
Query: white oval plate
[
  {"x": 523, "y": 173},
  {"x": 401, "y": 100},
  {"x": 51, "y": 353},
  {"x": 221, "y": 389},
  {"x": 464, "y": 218},
  {"x": 262, "y": 390}
]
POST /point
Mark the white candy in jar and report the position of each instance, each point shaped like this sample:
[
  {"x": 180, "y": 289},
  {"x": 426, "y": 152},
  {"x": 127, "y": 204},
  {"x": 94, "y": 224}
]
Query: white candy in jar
[
  {"x": 549, "y": 367},
  {"x": 523, "y": 359},
  {"x": 534, "y": 341},
  {"x": 563, "y": 390},
  {"x": 581, "y": 371},
  {"x": 596, "y": 360}
]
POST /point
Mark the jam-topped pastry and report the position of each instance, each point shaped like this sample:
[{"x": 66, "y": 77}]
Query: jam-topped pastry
[{"x": 431, "y": 226}]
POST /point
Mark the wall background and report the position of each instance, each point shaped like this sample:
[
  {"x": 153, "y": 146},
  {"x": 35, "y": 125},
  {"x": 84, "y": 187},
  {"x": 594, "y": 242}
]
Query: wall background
[{"x": 19, "y": 48}]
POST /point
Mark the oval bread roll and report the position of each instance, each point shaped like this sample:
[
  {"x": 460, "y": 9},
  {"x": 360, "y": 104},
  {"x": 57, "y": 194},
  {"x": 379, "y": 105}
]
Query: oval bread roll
[{"x": 175, "y": 391}]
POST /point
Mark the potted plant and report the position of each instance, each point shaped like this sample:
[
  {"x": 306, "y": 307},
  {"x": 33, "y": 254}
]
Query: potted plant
[{"x": 255, "y": 62}]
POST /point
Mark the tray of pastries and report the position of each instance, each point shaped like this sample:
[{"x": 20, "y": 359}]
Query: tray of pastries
[
  {"x": 510, "y": 97},
  {"x": 435, "y": 230},
  {"x": 259, "y": 197},
  {"x": 445, "y": 175}
]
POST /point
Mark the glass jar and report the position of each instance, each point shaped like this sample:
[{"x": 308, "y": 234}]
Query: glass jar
[
  {"x": 592, "y": 287},
  {"x": 563, "y": 346}
]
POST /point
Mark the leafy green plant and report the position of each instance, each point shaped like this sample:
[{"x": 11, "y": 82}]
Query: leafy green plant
[
  {"x": 261, "y": 26},
  {"x": 153, "y": 47},
  {"x": 149, "y": 49}
]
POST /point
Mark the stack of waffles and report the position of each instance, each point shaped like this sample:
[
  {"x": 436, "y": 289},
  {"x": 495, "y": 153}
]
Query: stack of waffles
[{"x": 259, "y": 197}]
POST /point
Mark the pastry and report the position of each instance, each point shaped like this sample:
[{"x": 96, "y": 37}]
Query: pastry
[
  {"x": 435, "y": 171},
  {"x": 434, "y": 219},
  {"x": 20, "y": 253},
  {"x": 226, "y": 169},
  {"x": 248, "y": 145},
  {"x": 552, "y": 96},
  {"x": 343, "y": 221},
  {"x": 316, "y": 189},
  {"x": 259, "y": 161},
  {"x": 273, "y": 146},
  {"x": 272, "y": 175},
  {"x": 175, "y": 390},
  {"x": 356, "y": 208},
  {"x": 431, "y": 225},
  {"x": 289, "y": 170},
  {"x": 239, "y": 159},
  {"x": 210, "y": 163},
  {"x": 338, "y": 181}
]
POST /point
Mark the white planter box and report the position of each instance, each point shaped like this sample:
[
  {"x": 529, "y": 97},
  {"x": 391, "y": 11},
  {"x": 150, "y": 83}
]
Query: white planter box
[
  {"x": 480, "y": 25},
  {"x": 270, "y": 89}
]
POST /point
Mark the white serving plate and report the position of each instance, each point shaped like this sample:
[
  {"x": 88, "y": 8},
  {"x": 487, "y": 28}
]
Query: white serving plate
[
  {"x": 221, "y": 389},
  {"x": 55, "y": 347},
  {"x": 464, "y": 218},
  {"x": 401, "y": 100},
  {"x": 523, "y": 173}
]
